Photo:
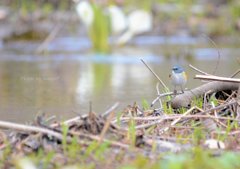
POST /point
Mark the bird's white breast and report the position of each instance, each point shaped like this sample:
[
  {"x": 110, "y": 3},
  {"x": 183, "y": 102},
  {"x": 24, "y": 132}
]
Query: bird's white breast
[{"x": 178, "y": 79}]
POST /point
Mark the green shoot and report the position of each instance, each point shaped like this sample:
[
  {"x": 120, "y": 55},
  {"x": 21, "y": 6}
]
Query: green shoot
[
  {"x": 198, "y": 102},
  {"x": 64, "y": 141},
  {"x": 197, "y": 136},
  {"x": 92, "y": 147},
  {"x": 74, "y": 148},
  {"x": 132, "y": 132},
  {"x": 145, "y": 104},
  {"x": 100, "y": 150},
  {"x": 119, "y": 114},
  {"x": 99, "y": 31}
]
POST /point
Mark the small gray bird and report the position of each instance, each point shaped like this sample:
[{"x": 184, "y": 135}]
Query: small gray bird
[{"x": 178, "y": 78}]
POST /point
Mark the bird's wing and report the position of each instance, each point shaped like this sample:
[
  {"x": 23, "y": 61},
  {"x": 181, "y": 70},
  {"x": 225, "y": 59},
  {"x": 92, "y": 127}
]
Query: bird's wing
[{"x": 185, "y": 75}]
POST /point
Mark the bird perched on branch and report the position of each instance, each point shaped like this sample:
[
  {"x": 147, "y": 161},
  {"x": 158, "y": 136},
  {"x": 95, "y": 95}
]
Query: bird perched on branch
[{"x": 178, "y": 78}]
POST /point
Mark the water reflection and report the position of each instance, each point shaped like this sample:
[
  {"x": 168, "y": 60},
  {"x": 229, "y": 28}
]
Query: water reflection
[{"x": 62, "y": 84}]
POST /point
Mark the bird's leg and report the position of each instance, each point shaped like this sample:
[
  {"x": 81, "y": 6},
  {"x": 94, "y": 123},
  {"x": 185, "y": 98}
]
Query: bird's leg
[
  {"x": 175, "y": 90},
  {"x": 182, "y": 90}
]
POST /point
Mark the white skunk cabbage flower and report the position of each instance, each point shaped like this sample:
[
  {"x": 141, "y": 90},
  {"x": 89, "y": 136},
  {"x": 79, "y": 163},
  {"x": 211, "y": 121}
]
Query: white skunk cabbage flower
[
  {"x": 118, "y": 19},
  {"x": 139, "y": 21},
  {"x": 26, "y": 163},
  {"x": 85, "y": 12},
  {"x": 214, "y": 144}
]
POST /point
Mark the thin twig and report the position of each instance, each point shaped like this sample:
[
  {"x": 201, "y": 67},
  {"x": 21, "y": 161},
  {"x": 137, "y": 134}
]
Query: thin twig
[
  {"x": 106, "y": 126},
  {"x": 210, "y": 116},
  {"x": 215, "y": 111},
  {"x": 217, "y": 119},
  {"x": 205, "y": 99},
  {"x": 235, "y": 73},
  {"x": 218, "y": 107},
  {"x": 158, "y": 92},
  {"x": 172, "y": 117},
  {"x": 217, "y": 78},
  {"x": 228, "y": 133},
  {"x": 174, "y": 139},
  {"x": 74, "y": 119},
  {"x": 49, "y": 38},
  {"x": 69, "y": 121},
  {"x": 238, "y": 103},
  {"x": 110, "y": 109},
  {"x": 177, "y": 120},
  {"x": 97, "y": 138},
  {"x": 164, "y": 95},
  {"x": 230, "y": 97},
  {"x": 216, "y": 47},
  {"x": 197, "y": 116},
  {"x": 150, "y": 124},
  {"x": 152, "y": 118},
  {"x": 149, "y": 68},
  {"x": 198, "y": 70}
]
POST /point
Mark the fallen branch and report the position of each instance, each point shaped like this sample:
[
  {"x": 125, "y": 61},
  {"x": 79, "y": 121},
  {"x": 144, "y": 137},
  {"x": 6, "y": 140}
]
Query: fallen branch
[
  {"x": 185, "y": 99},
  {"x": 27, "y": 128}
]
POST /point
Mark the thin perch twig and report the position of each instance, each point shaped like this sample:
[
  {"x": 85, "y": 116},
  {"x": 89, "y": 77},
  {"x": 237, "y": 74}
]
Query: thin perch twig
[
  {"x": 49, "y": 38},
  {"x": 216, "y": 47},
  {"x": 235, "y": 73},
  {"x": 164, "y": 95},
  {"x": 110, "y": 110},
  {"x": 162, "y": 83},
  {"x": 198, "y": 70}
]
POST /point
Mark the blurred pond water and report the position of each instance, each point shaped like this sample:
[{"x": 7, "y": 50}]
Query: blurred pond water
[{"x": 64, "y": 81}]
